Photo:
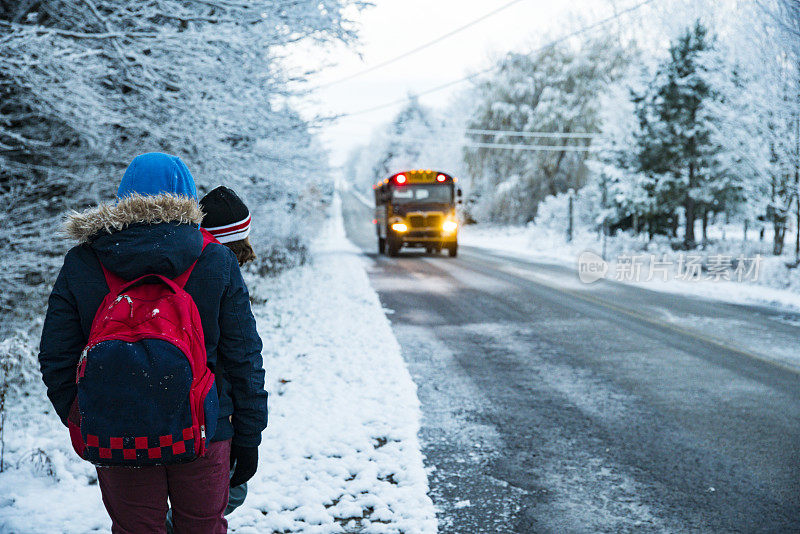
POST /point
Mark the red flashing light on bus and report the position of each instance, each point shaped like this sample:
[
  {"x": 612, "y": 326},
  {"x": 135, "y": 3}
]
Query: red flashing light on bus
[
  {"x": 400, "y": 179},
  {"x": 441, "y": 178}
]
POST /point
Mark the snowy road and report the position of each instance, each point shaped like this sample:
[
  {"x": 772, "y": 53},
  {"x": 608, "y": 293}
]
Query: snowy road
[{"x": 550, "y": 406}]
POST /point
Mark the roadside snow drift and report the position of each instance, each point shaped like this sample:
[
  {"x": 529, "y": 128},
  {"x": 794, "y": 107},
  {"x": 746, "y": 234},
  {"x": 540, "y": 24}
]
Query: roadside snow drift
[{"x": 340, "y": 454}]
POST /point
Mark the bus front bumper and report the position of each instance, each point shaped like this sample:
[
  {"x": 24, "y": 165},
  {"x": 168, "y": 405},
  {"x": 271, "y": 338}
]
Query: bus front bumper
[{"x": 426, "y": 237}]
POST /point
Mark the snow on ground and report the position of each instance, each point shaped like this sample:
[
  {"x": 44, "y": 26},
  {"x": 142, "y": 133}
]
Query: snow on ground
[
  {"x": 340, "y": 454},
  {"x": 776, "y": 283}
]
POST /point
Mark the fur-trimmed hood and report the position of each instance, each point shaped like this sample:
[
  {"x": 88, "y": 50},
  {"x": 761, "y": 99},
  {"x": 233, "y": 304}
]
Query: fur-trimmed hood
[
  {"x": 141, "y": 234},
  {"x": 134, "y": 209}
]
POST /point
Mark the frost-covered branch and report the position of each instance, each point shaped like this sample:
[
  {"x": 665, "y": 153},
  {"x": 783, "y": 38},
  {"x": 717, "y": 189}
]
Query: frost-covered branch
[{"x": 85, "y": 85}]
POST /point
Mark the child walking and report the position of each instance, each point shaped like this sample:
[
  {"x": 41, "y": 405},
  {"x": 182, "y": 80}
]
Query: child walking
[
  {"x": 150, "y": 232},
  {"x": 227, "y": 219}
]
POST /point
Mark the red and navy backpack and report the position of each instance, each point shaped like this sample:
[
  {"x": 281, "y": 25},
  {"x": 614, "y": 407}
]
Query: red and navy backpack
[{"x": 145, "y": 393}]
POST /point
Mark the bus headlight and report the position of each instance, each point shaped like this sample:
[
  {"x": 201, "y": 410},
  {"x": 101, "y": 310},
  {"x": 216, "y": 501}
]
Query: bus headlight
[
  {"x": 399, "y": 227},
  {"x": 449, "y": 226}
]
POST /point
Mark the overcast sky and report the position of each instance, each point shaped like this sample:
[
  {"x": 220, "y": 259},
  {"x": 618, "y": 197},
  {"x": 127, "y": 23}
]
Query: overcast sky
[{"x": 393, "y": 27}]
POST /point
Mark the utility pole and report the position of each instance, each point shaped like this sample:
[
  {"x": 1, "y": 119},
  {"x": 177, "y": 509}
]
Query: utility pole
[
  {"x": 604, "y": 211},
  {"x": 797, "y": 190},
  {"x": 570, "y": 209}
]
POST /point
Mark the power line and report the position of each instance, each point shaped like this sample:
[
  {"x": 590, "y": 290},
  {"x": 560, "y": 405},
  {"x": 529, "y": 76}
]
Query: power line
[
  {"x": 511, "y": 146},
  {"x": 420, "y": 47},
  {"x": 511, "y": 133},
  {"x": 491, "y": 68},
  {"x": 426, "y": 92},
  {"x": 539, "y": 148}
]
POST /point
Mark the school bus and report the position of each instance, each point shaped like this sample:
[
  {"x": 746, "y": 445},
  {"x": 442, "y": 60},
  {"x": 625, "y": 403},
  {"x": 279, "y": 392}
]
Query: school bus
[{"x": 417, "y": 208}]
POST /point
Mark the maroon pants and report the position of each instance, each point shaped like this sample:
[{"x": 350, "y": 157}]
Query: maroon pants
[{"x": 136, "y": 498}]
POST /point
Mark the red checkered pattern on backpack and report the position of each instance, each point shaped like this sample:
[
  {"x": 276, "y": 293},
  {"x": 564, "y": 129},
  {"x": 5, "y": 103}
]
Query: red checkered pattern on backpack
[{"x": 156, "y": 447}]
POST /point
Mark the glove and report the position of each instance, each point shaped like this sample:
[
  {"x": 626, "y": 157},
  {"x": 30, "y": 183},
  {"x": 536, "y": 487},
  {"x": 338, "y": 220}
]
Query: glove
[{"x": 244, "y": 462}]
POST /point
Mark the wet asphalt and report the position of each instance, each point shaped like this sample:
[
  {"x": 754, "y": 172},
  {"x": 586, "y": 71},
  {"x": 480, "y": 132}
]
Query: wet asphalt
[{"x": 554, "y": 406}]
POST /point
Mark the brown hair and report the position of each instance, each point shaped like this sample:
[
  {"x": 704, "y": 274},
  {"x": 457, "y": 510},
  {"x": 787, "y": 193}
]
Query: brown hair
[{"x": 243, "y": 250}]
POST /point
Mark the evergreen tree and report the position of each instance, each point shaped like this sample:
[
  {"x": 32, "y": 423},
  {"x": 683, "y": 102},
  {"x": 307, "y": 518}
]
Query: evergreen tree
[{"x": 675, "y": 147}]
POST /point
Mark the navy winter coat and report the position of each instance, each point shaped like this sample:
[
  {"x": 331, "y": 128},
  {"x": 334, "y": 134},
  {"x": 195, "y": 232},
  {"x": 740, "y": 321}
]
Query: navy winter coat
[{"x": 158, "y": 234}]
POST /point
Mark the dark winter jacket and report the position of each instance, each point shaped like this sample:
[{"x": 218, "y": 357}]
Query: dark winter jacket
[{"x": 157, "y": 234}]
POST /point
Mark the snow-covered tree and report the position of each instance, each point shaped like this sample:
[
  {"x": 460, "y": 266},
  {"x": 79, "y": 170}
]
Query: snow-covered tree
[
  {"x": 85, "y": 86},
  {"x": 757, "y": 74},
  {"x": 775, "y": 81},
  {"x": 417, "y": 137},
  {"x": 786, "y": 13},
  {"x": 758, "y": 127},
  {"x": 625, "y": 198},
  {"x": 101, "y": 80},
  {"x": 675, "y": 150},
  {"x": 555, "y": 90},
  {"x": 404, "y": 139}
]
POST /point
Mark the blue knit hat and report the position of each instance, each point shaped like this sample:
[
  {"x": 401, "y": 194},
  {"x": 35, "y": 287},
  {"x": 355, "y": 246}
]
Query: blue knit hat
[{"x": 155, "y": 173}]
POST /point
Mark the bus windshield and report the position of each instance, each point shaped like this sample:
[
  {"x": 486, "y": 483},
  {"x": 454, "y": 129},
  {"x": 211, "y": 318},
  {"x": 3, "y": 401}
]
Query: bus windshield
[{"x": 409, "y": 194}]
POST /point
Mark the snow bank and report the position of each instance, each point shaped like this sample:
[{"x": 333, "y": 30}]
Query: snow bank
[
  {"x": 776, "y": 283},
  {"x": 340, "y": 454}
]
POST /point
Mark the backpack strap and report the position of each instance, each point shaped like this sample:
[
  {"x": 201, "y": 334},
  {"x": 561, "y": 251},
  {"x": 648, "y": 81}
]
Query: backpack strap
[
  {"x": 181, "y": 279},
  {"x": 115, "y": 283},
  {"x": 208, "y": 235}
]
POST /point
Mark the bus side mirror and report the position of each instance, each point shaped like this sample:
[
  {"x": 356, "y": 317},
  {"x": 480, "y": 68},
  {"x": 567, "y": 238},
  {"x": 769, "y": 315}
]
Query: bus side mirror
[{"x": 459, "y": 194}]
